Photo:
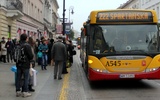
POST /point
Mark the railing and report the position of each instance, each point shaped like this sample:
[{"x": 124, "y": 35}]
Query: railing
[{"x": 14, "y": 5}]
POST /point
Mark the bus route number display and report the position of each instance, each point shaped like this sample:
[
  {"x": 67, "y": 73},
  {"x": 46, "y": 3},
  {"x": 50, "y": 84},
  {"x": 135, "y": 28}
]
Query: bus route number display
[{"x": 121, "y": 16}]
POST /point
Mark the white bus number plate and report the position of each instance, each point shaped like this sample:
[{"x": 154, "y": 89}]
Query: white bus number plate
[{"x": 127, "y": 76}]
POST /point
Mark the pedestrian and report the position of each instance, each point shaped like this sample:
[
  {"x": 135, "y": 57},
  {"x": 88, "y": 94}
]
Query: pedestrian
[
  {"x": 64, "y": 71},
  {"x": 23, "y": 68},
  {"x": 44, "y": 49},
  {"x": 3, "y": 51},
  {"x": 70, "y": 54},
  {"x": 49, "y": 50},
  {"x": 3, "y": 38},
  {"x": 58, "y": 55},
  {"x": 10, "y": 46},
  {"x": 39, "y": 58},
  {"x": 37, "y": 42},
  {"x": 32, "y": 64}
]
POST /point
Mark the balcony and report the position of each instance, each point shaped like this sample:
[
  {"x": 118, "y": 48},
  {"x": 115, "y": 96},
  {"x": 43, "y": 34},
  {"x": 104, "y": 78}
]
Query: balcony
[{"x": 14, "y": 8}]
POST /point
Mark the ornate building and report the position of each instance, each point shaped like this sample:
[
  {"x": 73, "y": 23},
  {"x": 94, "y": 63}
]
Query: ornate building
[
  {"x": 32, "y": 21},
  {"x": 50, "y": 17},
  {"x": 142, "y": 4},
  {"x": 36, "y": 18},
  {"x": 10, "y": 11}
]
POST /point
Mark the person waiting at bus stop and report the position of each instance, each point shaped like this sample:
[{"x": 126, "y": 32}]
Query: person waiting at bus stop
[
  {"x": 70, "y": 52},
  {"x": 58, "y": 55},
  {"x": 44, "y": 49},
  {"x": 23, "y": 68}
]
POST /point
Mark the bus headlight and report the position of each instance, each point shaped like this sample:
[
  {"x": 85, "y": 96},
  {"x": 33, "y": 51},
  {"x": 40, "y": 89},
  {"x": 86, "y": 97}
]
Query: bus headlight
[
  {"x": 100, "y": 70},
  {"x": 90, "y": 61},
  {"x": 151, "y": 69}
]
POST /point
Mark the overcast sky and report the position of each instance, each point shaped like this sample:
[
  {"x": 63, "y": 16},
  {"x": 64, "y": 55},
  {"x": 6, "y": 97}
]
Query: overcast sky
[{"x": 82, "y": 9}]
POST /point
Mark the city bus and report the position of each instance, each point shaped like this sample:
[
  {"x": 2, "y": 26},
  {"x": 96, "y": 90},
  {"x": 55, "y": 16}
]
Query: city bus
[{"x": 121, "y": 44}]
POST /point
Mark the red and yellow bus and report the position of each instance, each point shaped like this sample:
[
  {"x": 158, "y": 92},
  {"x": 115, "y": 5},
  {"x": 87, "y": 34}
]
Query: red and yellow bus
[{"x": 121, "y": 44}]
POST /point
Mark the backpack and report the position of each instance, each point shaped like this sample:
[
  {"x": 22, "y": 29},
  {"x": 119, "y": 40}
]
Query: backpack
[{"x": 19, "y": 54}]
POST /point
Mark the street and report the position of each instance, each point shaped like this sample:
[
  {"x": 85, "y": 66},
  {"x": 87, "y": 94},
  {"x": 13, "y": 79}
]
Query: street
[{"x": 75, "y": 86}]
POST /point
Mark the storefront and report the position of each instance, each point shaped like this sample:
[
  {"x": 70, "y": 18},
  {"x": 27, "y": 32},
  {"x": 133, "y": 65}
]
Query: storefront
[{"x": 30, "y": 29}]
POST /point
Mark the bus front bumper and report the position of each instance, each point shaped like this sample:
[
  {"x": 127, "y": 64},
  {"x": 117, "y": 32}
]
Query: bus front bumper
[{"x": 95, "y": 76}]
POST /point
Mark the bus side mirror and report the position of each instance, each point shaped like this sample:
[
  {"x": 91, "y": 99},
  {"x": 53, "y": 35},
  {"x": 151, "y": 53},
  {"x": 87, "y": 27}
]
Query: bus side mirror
[{"x": 86, "y": 30}]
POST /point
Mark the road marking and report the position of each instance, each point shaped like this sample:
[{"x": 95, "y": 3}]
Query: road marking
[{"x": 65, "y": 85}]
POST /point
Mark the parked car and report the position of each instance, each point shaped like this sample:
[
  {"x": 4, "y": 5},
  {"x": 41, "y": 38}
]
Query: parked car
[{"x": 74, "y": 43}]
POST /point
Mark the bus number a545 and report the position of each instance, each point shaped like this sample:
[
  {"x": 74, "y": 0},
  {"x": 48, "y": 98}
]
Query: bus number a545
[{"x": 113, "y": 63}]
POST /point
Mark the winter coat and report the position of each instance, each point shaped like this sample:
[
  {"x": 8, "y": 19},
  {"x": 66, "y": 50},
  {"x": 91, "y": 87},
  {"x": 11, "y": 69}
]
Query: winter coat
[
  {"x": 3, "y": 49},
  {"x": 43, "y": 48},
  {"x": 58, "y": 52},
  {"x": 10, "y": 46},
  {"x": 29, "y": 56}
]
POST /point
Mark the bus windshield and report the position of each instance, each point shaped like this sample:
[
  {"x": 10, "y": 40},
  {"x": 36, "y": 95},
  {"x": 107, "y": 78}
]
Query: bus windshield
[{"x": 119, "y": 38}]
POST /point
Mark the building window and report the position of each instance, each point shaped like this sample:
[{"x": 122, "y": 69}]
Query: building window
[
  {"x": 158, "y": 13},
  {"x": 32, "y": 10},
  {"x": 9, "y": 31},
  {"x": 35, "y": 12},
  {"x": 28, "y": 7},
  {"x": 38, "y": 15}
]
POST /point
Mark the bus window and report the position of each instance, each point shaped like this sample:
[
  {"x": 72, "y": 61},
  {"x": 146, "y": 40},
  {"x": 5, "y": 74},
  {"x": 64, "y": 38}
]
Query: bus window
[
  {"x": 99, "y": 44},
  {"x": 124, "y": 37}
]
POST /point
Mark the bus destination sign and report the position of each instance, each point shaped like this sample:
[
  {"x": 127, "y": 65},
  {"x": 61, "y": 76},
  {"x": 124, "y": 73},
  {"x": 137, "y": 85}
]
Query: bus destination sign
[{"x": 124, "y": 16}]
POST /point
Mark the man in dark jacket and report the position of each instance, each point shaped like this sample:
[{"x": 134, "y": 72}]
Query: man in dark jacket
[
  {"x": 23, "y": 68},
  {"x": 10, "y": 46},
  {"x": 49, "y": 50},
  {"x": 58, "y": 54}
]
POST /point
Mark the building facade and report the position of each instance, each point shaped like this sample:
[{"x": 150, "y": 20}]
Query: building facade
[
  {"x": 50, "y": 17},
  {"x": 142, "y": 4},
  {"x": 55, "y": 17},
  {"x": 32, "y": 21},
  {"x": 10, "y": 11},
  {"x": 32, "y": 17}
]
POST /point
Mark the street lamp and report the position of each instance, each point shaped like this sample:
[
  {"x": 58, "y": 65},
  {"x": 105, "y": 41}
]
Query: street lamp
[
  {"x": 64, "y": 17},
  {"x": 70, "y": 11}
]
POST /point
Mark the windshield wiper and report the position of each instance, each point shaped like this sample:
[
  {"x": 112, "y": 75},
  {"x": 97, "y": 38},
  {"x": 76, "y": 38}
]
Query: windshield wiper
[{"x": 140, "y": 51}]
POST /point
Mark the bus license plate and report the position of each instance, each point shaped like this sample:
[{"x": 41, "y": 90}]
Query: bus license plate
[{"x": 127, "y": 76}]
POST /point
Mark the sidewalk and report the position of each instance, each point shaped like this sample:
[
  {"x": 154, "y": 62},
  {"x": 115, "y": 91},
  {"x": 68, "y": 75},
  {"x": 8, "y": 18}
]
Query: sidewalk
[
  {"x": 69, "y": 88},
  {"x": 46, "y": 88}
]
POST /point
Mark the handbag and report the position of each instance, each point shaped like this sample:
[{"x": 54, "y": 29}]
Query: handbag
[
  {"x": 68, "y": 64},
  {"x": 39, "y": 54},
  {"x": 74, "y": 52}
]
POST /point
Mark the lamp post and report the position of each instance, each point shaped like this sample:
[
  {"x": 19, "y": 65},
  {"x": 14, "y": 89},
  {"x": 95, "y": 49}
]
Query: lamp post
[
  {"x": 64, "y": 17},
  {"x": 70, "y": 11}
]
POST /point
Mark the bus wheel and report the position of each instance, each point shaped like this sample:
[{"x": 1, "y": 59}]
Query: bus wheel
[{"x": 85, "y": 67}]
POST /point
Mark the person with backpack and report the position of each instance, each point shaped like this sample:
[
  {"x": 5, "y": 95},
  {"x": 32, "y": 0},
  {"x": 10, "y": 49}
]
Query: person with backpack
[{"x": 23, "y": 55}]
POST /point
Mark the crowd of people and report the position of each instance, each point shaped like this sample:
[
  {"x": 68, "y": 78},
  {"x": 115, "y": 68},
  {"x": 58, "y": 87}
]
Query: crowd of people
[{"x": 44, "y": 52}]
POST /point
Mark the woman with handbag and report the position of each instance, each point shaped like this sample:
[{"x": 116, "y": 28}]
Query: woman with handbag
[
  {"x": 44, "y": 49},
  {"x": 70, "y": 52},
  {"x": 32, "y": 64}
]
